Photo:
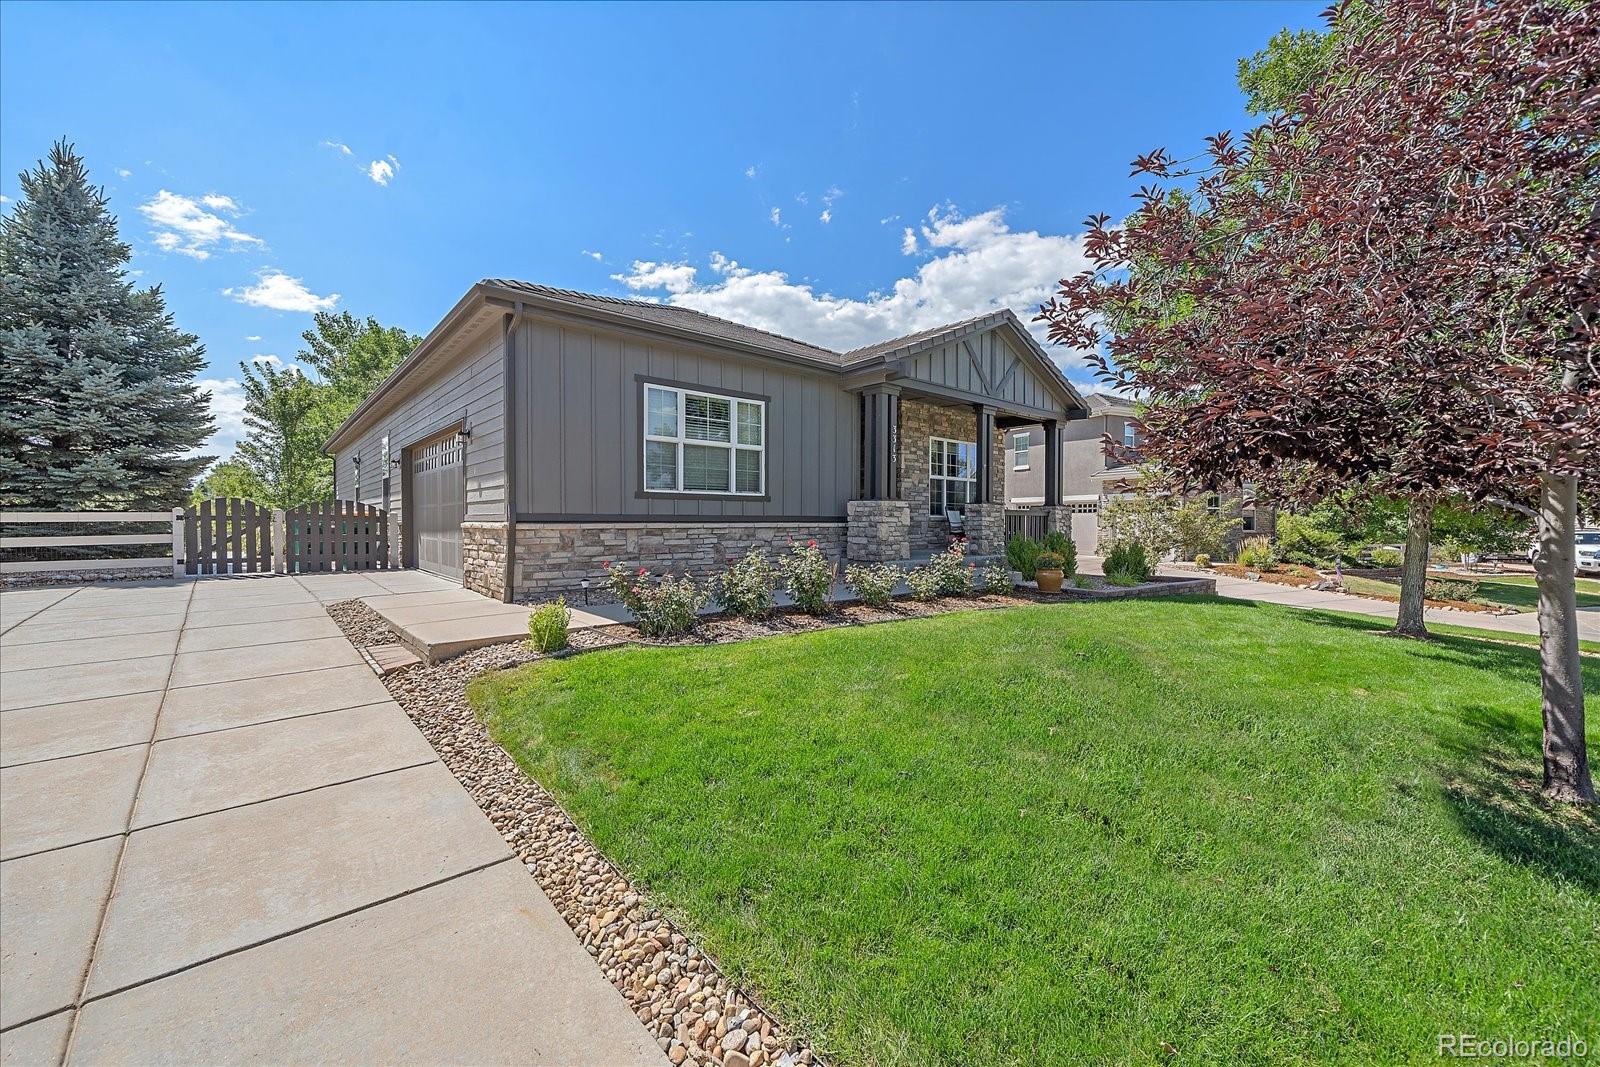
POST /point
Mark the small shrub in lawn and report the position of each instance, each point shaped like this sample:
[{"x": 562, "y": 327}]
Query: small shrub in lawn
[
  {"x": 952, "y": 571},
  {"x": 1122, "y": 580},
  {"x": 1451, "y": 589},
  {"x": 873, "y": 582},
  {"x": 547, "y": 626},
  {"x": 662, "y": 607},
  {"x": 745, "y": 588},
  {"x": 924, "y": 582},
  {"x": 1062, "y": 545},
  {"x": 997, "y": 579},
  {"x": 1023, "y": 555},
  {"x": 1127, "y": 559},
  {"x": 1201, "y": 559},
  {"x": 1387, "y": 557},
  {"x": 1256, "y": 554},
  {"x": 808, "y": 576}
]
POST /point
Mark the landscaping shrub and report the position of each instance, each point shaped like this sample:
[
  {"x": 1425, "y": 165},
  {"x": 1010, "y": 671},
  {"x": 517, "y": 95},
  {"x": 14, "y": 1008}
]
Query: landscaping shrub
[
  {"x": 808, "y": 578},
  {"x": 1451, "y": 589},
  {"x": 745, "y": 588},
  {"x": 1387, "y": 557},
  {"x": 1300, "y": 540},
  {"x": 661, "y": 608},
  {"x": 997, "y": 579},
  {"x": 1202, "y": 560},
  {"x": 924, "y": 582},
  {"x": 547, "y": 626},
  {"x": 873, "y": 582},
  {"x": 1059, "y": 543},
  {"x": 1127, "y": 559},
  {"x": 951, "y": 570},
  {"x": 1122, "y": 580},
  {"x": 1256, "y": 553},
  {"x": 1049, "y": 561},
  {"x": 1022, "y": 553},
  {"x": 1197, "y": 529}
]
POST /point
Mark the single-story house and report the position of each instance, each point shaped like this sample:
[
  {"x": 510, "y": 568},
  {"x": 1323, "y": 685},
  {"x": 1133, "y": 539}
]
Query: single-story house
[
  {"x": 536, "y": 433},
  {"x": 1090, "y": 477}
]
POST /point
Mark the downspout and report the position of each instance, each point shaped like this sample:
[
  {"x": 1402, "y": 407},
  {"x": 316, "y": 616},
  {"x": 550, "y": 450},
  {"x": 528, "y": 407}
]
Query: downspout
[{"x": 508, "y": 424}]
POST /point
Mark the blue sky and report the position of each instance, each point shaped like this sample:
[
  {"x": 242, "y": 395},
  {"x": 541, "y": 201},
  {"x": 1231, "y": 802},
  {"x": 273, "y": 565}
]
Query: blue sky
[{"x": 838, "y": 173}]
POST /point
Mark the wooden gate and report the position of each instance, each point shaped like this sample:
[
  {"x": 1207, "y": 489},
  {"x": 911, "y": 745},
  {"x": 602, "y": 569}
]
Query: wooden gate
[
  {"x": 338, "y": 535},
  {"x": 227, "y": 536}
]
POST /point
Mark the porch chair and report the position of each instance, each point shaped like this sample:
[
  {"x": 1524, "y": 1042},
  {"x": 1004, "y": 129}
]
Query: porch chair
[{"x": 958, "y": 523}]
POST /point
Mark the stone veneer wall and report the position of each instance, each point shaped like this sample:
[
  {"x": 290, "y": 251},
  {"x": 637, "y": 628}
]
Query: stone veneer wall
[
  {"x": 556, "y": 557},
  {"x": 918, "y": 422},
  {"x": 483, "y": 558},
  {"x": 879, "y": 530}
]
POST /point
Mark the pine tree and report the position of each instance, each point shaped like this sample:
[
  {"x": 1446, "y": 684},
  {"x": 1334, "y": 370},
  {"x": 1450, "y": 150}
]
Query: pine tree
[{"x": 98, "y": 404}]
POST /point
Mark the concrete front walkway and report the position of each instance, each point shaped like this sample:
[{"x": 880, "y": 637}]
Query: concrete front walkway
[
  {"x": 1270, "y": 593},
  {"x": 221, "y": 841}
]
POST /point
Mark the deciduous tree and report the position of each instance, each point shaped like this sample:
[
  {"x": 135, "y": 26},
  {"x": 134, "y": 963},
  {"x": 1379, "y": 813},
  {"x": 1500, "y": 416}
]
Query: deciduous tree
[{"x": 1391, "y": 285}]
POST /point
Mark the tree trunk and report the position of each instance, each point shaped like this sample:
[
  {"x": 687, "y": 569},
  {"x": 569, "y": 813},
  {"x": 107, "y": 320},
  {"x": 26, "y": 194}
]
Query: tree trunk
[
  {"x": 1566, "y": 755},
  {"x": 1414, "y": 569}
]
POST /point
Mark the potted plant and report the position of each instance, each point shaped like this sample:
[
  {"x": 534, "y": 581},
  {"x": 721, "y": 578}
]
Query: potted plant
[{"x": 1047, "y": 572}]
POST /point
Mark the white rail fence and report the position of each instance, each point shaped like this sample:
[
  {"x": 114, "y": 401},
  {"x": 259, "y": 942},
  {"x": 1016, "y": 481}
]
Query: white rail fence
[{"x": 171, "y": 538}]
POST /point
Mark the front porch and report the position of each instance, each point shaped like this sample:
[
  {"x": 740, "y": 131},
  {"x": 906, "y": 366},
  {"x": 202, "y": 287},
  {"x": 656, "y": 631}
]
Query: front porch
[{"x": 931, "y": 471}]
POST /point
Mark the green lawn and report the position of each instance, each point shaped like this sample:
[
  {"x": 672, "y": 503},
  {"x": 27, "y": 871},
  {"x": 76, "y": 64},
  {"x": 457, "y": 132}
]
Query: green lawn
[
  {"x": 1515, "y": 591},
  {"x": 1070, "y": 834}
]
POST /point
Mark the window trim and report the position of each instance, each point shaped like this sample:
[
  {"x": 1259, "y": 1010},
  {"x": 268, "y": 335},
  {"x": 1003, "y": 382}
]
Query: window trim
[
  {"x": 1022, "y": 458},
  {"x": 683, "y": 391},
  {"x": 1130, "y": 434},
  {"x": 972, "y": 481}
]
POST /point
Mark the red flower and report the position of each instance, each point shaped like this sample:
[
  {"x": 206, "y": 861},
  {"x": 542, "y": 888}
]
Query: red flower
[
  {"x": 606, "y": 563},
  {"x": 812, "y": 543},
  {"x": 643, "y": 571}
]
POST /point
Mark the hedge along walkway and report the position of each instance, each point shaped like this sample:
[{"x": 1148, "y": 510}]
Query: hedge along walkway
[{"x": 221, "y": 841}]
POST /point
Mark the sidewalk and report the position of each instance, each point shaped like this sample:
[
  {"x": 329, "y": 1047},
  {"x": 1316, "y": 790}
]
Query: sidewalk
[{"x": 221, "y": 841}]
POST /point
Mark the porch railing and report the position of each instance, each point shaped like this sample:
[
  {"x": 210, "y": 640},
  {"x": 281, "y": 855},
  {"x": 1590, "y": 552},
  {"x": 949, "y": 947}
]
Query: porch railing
[{"x": 1032, "y": 523}]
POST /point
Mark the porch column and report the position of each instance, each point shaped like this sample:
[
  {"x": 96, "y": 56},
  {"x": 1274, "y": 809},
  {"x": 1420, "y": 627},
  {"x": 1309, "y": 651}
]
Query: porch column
[
  {"x": 985, "y": 471},
  {"x": 1052, "y": 463},
  {"x": 880, "y": 443}
]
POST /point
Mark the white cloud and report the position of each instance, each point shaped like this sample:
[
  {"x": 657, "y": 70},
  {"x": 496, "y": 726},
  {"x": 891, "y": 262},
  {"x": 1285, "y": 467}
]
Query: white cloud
[
  {"x": 596, "y": 256},
  {"x": 826, "y": 216},
  {"x": 337, "y": 146},
  {"x": 750, "y": 171},
  {"x": 977, "y": 264},
  {"x": 382, "y": 170},
  {"x": 227, "y": 410},
  {"x": 673, "y": 277},
  {"x": 833, "y": 193},
  {"x": 4, "y": 199},
  {"x": 888, "y": 219},
  {"x": 253, "y": 337},
  {"x": 908, "y": 242},
  {"x": 183, "y": 224},
  {"x": 276, "y": 290},
  {"x": 267, "y": 359},
  {"x": 124, "y": 172},
  {"x": 776, "y": 215}
]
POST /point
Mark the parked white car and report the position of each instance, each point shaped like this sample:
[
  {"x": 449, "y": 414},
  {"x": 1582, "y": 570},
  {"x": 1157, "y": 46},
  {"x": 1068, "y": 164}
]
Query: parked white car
[{"x": 1588, "y": 552}]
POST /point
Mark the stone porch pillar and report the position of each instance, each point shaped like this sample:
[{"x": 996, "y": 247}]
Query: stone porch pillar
[{"x": 880, "y": 522}]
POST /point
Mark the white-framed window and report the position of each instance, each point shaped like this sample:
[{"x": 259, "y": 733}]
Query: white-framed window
[
  {"x": 952, "y": 475},
  {"x": 1130, "y": 434},
  {"x": 1019, "y": 451},
  {"x": 698, "y": 442},
  {"x": 1213, "y": 503}
]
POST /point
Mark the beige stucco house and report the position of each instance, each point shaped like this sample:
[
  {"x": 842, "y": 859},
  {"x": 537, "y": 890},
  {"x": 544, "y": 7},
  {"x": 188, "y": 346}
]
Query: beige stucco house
[
  {"x": 536, "y": 433},
  {"x": 1092, "y": 478}
]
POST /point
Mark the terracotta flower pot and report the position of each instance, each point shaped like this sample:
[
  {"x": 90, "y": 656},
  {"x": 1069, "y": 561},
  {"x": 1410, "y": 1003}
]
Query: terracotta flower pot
[{"x": 1049, "y": 581}]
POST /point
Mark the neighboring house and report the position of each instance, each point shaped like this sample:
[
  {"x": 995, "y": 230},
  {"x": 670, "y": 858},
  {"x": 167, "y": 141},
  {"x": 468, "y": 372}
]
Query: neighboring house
[
  {"x": 537, "y": 433},
  {"x": 1090, "y": 478}
]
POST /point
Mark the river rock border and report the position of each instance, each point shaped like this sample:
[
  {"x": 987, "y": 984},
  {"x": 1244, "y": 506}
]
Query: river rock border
[{"x": 680, "y": 995}]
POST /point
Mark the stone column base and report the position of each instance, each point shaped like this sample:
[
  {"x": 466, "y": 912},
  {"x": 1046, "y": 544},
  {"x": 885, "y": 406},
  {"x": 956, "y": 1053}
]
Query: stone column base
[
  {"x": 879, "y": 530},
  {"x": 483, "y": 558},
  {"x": 986, "y": 529},
  {"x": 1058, "y": 520}
]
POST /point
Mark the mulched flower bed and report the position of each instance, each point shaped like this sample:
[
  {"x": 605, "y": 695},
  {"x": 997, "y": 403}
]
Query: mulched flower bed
[{"x": 1304, "y": 577}]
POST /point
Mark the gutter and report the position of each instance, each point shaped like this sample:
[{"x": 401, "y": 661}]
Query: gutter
[{"x": 508, "y": 435}]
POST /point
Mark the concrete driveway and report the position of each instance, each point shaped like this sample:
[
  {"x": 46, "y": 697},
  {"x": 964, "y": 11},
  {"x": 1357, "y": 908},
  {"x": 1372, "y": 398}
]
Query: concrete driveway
[{"x": 221, "y": 841}]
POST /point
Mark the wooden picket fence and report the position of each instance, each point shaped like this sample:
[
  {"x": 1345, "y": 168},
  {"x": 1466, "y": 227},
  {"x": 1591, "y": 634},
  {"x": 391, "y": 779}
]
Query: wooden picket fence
[
  {"x": 227, "y": 536},
  {"x": 233, "y": 536},
  {"x": 339, "y": 535}
]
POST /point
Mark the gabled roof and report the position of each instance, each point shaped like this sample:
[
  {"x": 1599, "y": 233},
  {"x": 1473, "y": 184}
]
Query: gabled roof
[
  {"x": 653, "y": 314},
  {"x": 1109, "y": 404}
]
